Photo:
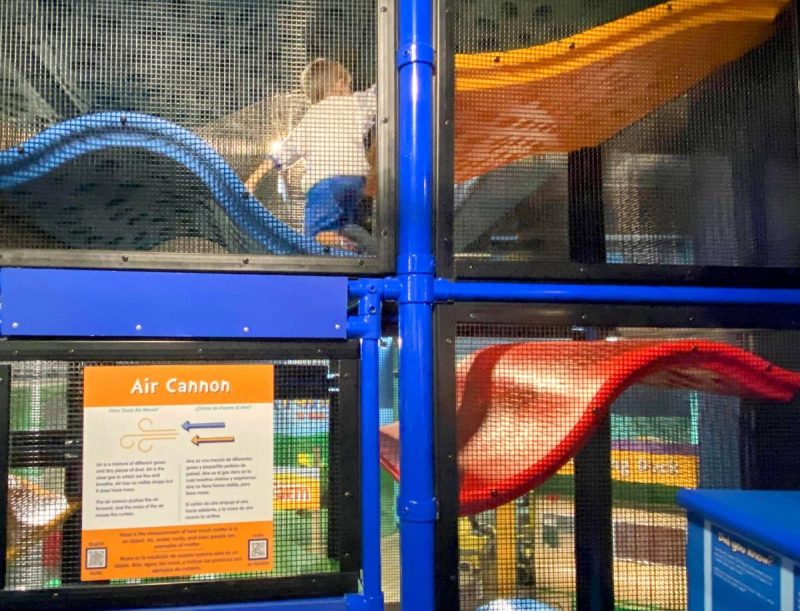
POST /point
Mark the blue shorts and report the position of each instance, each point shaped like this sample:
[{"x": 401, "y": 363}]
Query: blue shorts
[{"x": 332, "y": 203}]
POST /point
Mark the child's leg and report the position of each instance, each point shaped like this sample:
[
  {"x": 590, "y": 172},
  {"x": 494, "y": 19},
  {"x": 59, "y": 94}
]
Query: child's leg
[
  {"x": 334, "y": 239},
  {"x": 330, "y": 204}
]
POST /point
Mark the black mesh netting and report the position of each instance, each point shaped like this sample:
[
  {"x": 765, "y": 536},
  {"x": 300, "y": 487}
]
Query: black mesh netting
[
  {"x": 550, "y": 419},
  {"x": 626, "y": 132},
  {"x": 144, "y": 126}
]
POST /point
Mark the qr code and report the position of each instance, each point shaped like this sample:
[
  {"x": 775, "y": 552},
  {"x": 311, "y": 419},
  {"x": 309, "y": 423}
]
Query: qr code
[
  {"x": 259, "y": 549},
  {"x": 96, "y": 558}
]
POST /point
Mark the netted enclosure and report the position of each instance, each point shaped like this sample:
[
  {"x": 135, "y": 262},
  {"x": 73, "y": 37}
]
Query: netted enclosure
[
  {"x": 201, "y": 127},
  {"x": 593, "y": 138},
  {"x": 53, "y": 504},
  {"x": 574, "y": 433}
]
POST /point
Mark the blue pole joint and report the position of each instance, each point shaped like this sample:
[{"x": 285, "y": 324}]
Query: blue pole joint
[
  {"x": 410, "y": 510},
  {"x": 416, "y": 53},
  {"x": 417, "y": 288},
  {"x": 416, "y": 264},
  {"x": 365, "y": 286},
  {"x": 367, "y": 324}
]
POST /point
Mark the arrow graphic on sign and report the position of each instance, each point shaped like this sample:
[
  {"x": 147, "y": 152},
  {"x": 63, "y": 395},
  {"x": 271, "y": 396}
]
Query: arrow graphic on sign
[
  {"x": 197, "y": 440},
  {"x": 188, "y": 426}
]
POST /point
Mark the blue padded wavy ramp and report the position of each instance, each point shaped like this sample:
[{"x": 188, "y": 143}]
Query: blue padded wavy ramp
[{"x": 125, "y": 181}]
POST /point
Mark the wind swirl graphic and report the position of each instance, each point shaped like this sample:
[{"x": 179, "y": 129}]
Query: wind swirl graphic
[{"x": 143, "y": 440}]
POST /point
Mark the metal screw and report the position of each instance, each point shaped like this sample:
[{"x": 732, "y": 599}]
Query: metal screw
[
  {"x": 246, "y": 329},
  {"x": 138, "y": 327},
  {"x": 337, "y": 326},
  {"x": 385, "y": 120},
  {"x": 383, "y": 9},
  {"x": 245, "y": 260},
  {"x": 14, "y": 325},
  {"x": 371, "y": 288},
  {"x": 124, "y": 258}
]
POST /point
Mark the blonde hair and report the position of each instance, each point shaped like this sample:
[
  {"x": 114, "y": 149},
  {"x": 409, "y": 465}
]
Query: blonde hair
[{"x": 321, "y": 76}]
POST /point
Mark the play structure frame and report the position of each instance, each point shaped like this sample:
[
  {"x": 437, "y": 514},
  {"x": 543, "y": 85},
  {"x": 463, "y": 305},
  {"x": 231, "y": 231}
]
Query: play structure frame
[
  {"x": 63, "y": 449},
  {"x": 422, "y": 289}
]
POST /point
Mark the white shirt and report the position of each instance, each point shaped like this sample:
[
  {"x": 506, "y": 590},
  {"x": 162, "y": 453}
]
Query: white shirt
[{"x": 330, "y": 137}]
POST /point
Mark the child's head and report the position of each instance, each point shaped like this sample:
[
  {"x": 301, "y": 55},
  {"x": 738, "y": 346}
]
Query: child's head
[{"x": 324, "y": 77}]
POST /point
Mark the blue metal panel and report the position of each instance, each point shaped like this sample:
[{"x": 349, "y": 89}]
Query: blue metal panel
[
  {"x": 54, "y": 302},
  {"x": 765, "y": 517},
  {"x": 320, "y": 604},
  {"x": 446, "y": 290}
]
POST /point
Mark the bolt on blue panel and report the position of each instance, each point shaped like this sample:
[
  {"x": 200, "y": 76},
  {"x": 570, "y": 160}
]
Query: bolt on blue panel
[{"x": 101, "y": 303}]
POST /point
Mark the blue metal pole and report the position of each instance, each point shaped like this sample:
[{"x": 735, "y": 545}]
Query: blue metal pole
[
  {"x": 370, "y": 308},
  {"x": 447, "y": 290},
  {"x": 415, "y": 267}
]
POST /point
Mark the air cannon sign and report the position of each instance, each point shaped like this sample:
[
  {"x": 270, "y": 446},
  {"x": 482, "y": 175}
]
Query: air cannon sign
[{"x": 177, "y": 470}]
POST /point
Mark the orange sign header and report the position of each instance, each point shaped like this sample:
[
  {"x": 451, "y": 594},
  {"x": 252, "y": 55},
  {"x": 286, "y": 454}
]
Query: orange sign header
[{"x": 146, "y": 385}]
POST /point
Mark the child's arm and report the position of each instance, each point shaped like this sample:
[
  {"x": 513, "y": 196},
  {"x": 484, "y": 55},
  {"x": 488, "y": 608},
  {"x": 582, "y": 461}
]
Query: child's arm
[
  {"x": 368, "y": 103},
  {"x": 256, "y": 176},
  {"x": 282, "y": 153}
]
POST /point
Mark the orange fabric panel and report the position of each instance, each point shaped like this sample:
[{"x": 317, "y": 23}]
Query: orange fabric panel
[{"x": 582, "y": 90}]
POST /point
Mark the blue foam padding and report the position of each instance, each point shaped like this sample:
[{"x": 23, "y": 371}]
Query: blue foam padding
[{"x": 71, "y": 139}]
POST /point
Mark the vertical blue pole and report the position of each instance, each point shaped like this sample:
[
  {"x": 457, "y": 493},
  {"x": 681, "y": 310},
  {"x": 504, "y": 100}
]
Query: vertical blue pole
[
  {"x": 368, "y": 326},
  {"x": 416, "y": 504}
]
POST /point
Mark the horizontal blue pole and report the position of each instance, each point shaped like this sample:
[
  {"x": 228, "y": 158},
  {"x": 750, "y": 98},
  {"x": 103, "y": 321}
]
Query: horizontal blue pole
[
  {"x": 318, "y": 604},
  {"x": 447, "y": 290}
]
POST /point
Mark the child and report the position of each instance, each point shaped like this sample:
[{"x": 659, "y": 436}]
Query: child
[{"x": 331, "y": 139}]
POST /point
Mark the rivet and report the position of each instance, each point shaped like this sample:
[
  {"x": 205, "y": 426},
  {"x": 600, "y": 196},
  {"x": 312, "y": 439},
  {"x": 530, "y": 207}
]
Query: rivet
[
  {"x": 246, "y": 329},
  {"x": 14, "y": 325},
  {"x": 385, "y": 120},
  {"x": 337, "y": 326},
  {"x": 383, "y": 9},
  {"x": 138, "y": 327},
  {"x": 245, "y": 260},
  {"x": 124, "y": 258}
]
